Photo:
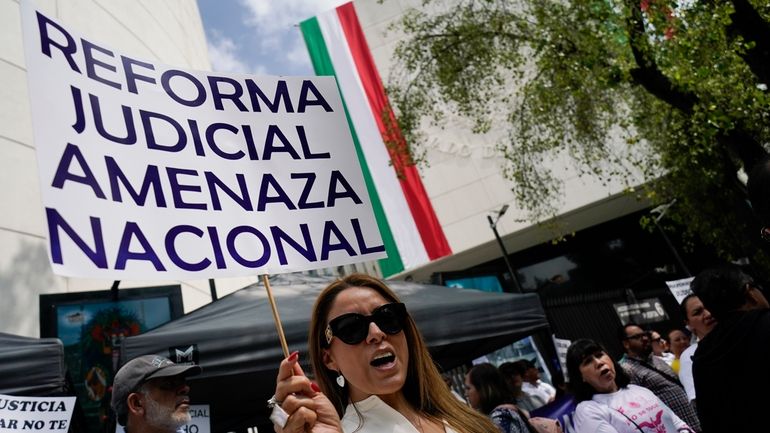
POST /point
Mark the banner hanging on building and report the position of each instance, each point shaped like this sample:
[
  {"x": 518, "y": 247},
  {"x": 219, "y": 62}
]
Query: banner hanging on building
[
  {"x": 151, "y": 171},
  {"x": 411, "y": 231}
]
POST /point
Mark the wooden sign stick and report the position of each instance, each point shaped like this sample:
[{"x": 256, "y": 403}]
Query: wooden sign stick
[{"x": 276, "y": 318}]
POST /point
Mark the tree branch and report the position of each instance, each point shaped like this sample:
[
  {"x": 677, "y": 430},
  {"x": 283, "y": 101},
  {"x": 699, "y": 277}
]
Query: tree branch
[{"x": 647, "y": 74}]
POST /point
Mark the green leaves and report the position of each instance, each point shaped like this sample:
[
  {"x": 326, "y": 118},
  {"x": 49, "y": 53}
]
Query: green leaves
[{"x": 618, "y": 88}]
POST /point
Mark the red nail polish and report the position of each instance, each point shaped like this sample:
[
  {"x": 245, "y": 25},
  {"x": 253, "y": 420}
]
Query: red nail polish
[
  {"x": 315, "y": 387},
  {"x": 293, "y": 356}
]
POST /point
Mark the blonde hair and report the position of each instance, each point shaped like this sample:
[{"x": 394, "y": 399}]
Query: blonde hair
[{"x": 424, "y": 387}]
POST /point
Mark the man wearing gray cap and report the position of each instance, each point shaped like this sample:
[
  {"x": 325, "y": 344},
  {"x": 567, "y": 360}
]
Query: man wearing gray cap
[{"x": 150, "y": 395}]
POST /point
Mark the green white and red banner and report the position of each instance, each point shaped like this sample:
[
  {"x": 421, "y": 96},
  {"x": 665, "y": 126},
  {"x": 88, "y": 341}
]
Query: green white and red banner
[{"x": 411, "y": 232}]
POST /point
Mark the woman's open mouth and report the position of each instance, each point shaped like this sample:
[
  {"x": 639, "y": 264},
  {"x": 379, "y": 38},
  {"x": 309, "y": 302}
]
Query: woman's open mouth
[{"x": 383, "y": 359}]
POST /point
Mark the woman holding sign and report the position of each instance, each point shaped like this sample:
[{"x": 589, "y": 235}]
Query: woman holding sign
[{"x": 373, "y": 368}]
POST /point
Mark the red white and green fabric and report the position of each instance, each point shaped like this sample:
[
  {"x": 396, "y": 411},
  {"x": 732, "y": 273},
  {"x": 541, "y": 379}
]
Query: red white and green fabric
[{"x": 410, "y": 230}]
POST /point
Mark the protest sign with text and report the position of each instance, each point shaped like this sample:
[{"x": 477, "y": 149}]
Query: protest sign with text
[
  {"x": 200, "y": 421},
  {"x": 36, "y": 414},
  {"x": 561, "y": 346},
  {"x": 152, "y": 171},
  {"x": 680, "y": 288}
]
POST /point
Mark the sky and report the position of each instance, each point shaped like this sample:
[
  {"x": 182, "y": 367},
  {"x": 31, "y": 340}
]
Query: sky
[{"x": 259, "y": 36}]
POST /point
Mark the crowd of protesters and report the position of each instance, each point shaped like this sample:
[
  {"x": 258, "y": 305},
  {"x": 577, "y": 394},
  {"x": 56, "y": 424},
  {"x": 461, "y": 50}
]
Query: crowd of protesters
[
  {"x": 373, "y": 372},
  {"x": 399, "y": 386}
]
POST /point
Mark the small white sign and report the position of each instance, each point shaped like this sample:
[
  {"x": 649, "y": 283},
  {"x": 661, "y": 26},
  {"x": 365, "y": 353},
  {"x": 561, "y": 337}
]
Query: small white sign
[
  {"x": 37, "y": 414},
  {"x": 680, "y": 288},
  {"x": 200, "y": 421},
  {"x": 645, "y": 311},
  {"x": 561, "y": 351}
]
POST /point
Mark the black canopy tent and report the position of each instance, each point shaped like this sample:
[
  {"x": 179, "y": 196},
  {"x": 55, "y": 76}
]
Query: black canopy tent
[
  {"x": 237, "y": 345},
  {"x": 32, "y": 367}
]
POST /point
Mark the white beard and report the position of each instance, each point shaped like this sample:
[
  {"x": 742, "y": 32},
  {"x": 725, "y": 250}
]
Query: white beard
[{"x": 163, "y": 417}]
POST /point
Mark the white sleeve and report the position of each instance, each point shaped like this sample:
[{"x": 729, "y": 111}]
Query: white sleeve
[
  {"x": 685, "y": 372},
  {"x": 593, "y": 417},
  {"x": 550, "y": 390},
  {"x": 679, "y": 424}
]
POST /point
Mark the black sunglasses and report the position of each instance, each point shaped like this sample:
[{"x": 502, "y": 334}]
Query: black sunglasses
[{"x": 352, "y": 328}]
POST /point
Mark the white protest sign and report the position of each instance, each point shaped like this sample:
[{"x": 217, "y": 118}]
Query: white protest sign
[
  {"x": 35, "y": 414},
  {"x": 680, "y": 288},
  {"x": 200, "y": 421},
  {"x": 562, "y": 345},
  {"x": 151, "y": 171}
]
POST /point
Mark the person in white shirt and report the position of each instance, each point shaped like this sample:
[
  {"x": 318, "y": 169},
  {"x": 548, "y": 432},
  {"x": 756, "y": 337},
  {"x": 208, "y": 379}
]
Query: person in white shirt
[
  {"x": 534, "y": 386},
  {"x": 513, "y": 372},
  {"x": 700, "y": 321},
  {"x": 607, "y": 402}
]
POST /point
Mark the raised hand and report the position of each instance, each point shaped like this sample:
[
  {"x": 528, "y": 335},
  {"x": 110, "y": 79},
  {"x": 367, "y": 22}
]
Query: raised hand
[{"x": 309, "y": 410}]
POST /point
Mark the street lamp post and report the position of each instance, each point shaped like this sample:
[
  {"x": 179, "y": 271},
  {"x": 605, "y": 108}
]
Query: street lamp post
[{"x": 493, "y": 226}]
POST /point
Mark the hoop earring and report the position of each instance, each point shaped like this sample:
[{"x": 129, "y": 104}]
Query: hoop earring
[{"x": 340, "y": 379}]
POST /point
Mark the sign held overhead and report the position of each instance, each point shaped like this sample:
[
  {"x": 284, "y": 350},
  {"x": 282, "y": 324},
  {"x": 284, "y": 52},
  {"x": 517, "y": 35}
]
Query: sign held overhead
[{"x": 152, "y": 171}]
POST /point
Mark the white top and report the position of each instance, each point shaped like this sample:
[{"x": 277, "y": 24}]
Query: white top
[
  {"x": 377, "y": 417},
  {"x": 685, "y": 370},
  {"x": 602, "y": 414},
  {"x": 667, "y": 357},
  {"x": 543, "y": 390}
]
